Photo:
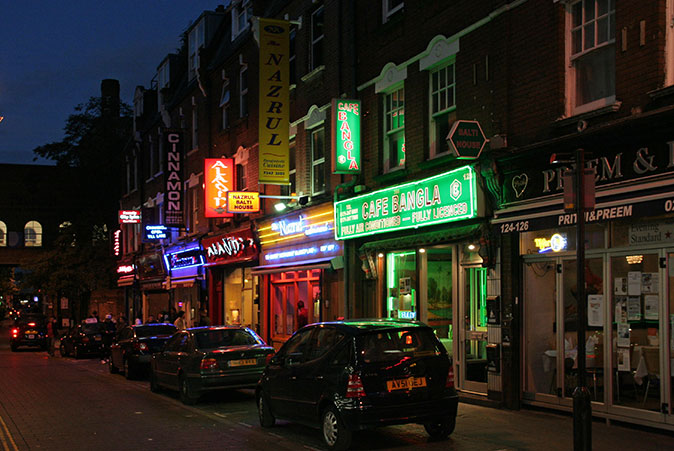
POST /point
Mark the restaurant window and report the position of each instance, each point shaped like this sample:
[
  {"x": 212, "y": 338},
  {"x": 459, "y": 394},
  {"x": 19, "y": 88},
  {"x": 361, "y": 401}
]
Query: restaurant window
[
  {"x": 287, "y": 290},
  {"x": 32, "y": 234},
  {"x": 394, "y": 130},
  {"x": 318, "y": 161},
  {"x": 317, "y": 36},
  {"x": 591, "y": 77},
  {"x": 442, "y": 107}
]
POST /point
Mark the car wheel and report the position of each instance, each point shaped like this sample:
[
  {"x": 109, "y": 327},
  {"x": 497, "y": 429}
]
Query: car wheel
[
  {"x": 112, "y": 367},
  {"x": 187, "y": 395},
  {"x": 267, "y": 419},
  {"x": 441, "y": 428},
  {"x": 335, "y": 433},
  {"x": 154, "y": 383}
]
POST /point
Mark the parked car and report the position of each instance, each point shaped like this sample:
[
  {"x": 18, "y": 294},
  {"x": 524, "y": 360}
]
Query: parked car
[
  {"x": 28, "y": 330},
  {"x": 201, "y": 359},
  {"x": 83, "y": 339},
  {"x": 131, "y": 350},
  {"x": 350, "y": 375}
]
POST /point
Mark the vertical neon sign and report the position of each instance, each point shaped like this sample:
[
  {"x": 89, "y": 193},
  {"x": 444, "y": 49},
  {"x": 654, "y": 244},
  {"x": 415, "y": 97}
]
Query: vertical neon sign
[
  {"x": 346, "y": 136},
  {"x": 219, "y": 180}
]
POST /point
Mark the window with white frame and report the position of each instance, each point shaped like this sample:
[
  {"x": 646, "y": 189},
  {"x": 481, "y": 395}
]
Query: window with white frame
[
  {"x": 287, "y": 190},
  {"x": 442, "y": 107},
  {"x": 318, "y": 161},
  {"x": 390, "y": 7},
  {"x": 243, "y": 91},
  {"x": 292, "y": 56},
  {"x": 3, "y": 234},
  {"x": 224, "y": 104},
  {"x": 394, "y": 130},
  {"x": 195, "y": 40},
  {"x": 195, "y": 127},
  {"x": 317, "y": 36},
  {"x": 32, "y": 234},
  {"x": 163, "y": 78},
  {"x": 241, "y": 12},
  {"x": 591, "y": 78}
]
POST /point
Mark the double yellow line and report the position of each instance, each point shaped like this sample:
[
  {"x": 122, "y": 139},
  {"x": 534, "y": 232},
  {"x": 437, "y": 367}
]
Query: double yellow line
[{"x": 6, "y": 438}]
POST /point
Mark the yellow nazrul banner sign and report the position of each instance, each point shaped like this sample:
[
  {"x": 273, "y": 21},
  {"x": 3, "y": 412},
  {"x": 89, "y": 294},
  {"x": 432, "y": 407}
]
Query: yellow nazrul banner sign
[{"x": 274, "y": 102}]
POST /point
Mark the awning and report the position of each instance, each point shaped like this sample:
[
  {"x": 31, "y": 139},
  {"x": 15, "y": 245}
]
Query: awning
[
  {"x": 319, "y": 263},
  {"x": 446, "y": 234}
]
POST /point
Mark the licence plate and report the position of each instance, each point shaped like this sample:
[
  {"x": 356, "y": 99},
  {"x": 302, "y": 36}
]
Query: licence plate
[
  {"x": 243, "y": 362},
  {"x": 406, "y": 384},
  {"x": 30, "y": 336}
]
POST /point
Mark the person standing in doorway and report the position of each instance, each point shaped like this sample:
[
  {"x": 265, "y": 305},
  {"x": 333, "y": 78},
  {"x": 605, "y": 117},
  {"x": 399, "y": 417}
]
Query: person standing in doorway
[
  {"x": 180, "y": 322},
  {"x": 302, "y": 315}
]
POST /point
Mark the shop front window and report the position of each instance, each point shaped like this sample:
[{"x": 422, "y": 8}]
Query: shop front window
[
  {"x": 563, "y": 239},
  {"x": 636, "y": 331},
  {"x": 401, "y": 284},
  {"x": 295, "y": 298},
  {"x": 439, "y": 295}
]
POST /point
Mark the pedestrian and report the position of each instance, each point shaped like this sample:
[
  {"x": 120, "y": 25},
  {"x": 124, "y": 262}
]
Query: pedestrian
[
  {"x": 51, "y": 335},
  {"x": 172, "y": 314},
  {"x": 204, "y": 319},
  {"x": 109, "y": 330},
  {"x": 150, "y": 319},
  {"x": 122, "y": 323},
  {"x": 302, "y": 315},
  {"x": 180, "y": 322},
  {"x": 94, "y": 315},
  {"x": 138, "y": 321}
]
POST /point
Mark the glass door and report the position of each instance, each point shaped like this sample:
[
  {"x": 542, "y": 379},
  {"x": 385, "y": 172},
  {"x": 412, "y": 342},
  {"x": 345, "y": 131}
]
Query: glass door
[{"x": 474, "y": 346}]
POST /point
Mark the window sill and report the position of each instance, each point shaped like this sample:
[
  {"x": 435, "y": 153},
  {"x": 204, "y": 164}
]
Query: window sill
[
  {"x": 610, "y": 108},
  {"x": 437, "y": 161},
  {"x": 398, "y": 174},
  {"x": 313, "y": 74}
]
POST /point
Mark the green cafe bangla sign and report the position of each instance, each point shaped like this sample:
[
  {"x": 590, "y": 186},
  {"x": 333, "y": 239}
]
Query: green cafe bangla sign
[
  {"x": 346, "y": 136},
  {"x": 442, "y": 198}
]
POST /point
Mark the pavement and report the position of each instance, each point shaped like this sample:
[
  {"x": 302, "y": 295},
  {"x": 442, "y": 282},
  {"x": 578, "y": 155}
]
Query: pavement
[{"x": 55, "y": 403}]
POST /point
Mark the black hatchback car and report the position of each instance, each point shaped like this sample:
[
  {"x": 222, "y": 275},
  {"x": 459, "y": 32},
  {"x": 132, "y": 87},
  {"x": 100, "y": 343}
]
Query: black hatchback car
[
  {"x": 351, "y": 375},
  {"x": 202, "y": 359},
  {"x": 28, "y": 330},
  {"x": 131, "y": 350}
]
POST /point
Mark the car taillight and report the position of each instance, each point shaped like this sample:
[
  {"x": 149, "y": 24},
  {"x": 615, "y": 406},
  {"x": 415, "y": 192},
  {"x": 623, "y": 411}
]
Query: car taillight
[
  {"x": 208, "y": 364},
  {"x": 31, "y": 324},
  {"x": 450, "y": 377},
  {"x": 15, "y": 333},
  {"x": 354, "y": 388}
]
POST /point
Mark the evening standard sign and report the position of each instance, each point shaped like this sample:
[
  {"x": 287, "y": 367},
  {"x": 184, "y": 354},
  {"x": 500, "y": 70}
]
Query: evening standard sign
[{"x": 447, "y": 197}]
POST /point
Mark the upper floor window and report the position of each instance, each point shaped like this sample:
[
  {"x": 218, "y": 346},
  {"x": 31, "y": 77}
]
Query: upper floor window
[
  {"x": 390, "y": 7},
  {"x": 292, "y": 56},
  {"x": 152, "y": 156},
  {"x": 240, "y": 15},
  {"x": 394, "y": 130},
  {"x": 592, "y": 66},
  {"x": 32, "y": 234},
  {"x": 224, "y": 104},
  {"x": 163, "y": 78},
  {"x": 243, "y": 91},
  {"x": 318, "y": 161},
  {"x": 241, "y": 179},
  {"x": 287, "y": 190},
  {"x": 195, "y": 127},
  {"x": 317, "y": 35},
  {"x": 442, "y": 106},
  {"x": 3, "y": 234},
  {"x": 195, "y": 40},
  {"x": 193, "y": 202}
]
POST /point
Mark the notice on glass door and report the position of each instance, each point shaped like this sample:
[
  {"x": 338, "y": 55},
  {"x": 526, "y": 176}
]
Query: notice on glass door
[
  {"x": 649, "y": 282},
  {"x": 624, "y": 359},
  {"x": 623, "y": 335},
  {"x": 595, "y": 310},
  {"x": 633, "y": 308},
  {"x": 634, "y": 283},
  {"x": 651, "y": 304}
]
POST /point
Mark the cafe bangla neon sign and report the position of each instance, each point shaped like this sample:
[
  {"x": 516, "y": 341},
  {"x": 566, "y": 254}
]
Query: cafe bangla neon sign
[
  {"x": 219, "y": 180},
  {"x": 346, "y": 136},
  {"x": 447, "y": 197}
]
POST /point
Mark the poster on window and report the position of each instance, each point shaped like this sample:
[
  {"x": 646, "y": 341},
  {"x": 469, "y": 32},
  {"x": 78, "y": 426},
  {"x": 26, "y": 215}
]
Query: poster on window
[
  {"x": 620, "y": 286},
  {"x": 595, "y": 310},
  {"x": 623, "y": 335},
  {"x": 624, "y": 359},
  {"x": 620, "y": 309},
  {"x": 651, "y": 306},
  {"x": 649, "y": 282},
  {"x": 634, "y": 283},
  {"x": 633, "y": 308}
]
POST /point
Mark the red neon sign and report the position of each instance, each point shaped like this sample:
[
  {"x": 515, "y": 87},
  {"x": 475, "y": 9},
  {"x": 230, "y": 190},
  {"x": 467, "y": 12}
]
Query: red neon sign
[{"x": 219, "y": 180}]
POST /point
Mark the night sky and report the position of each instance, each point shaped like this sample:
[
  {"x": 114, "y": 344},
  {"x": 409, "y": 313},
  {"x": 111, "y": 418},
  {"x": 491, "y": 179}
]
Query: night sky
[{"x": 54, "y": 54}]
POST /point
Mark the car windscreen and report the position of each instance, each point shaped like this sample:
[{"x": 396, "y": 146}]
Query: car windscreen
[
  {"x": 217, "y": 338},
  {"x": 394, "y": 344},
  {"x": 153, "y": 331},
  {"x": 93, "y": 328}
]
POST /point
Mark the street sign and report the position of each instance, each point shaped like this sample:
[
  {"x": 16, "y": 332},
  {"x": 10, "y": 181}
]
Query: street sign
[{"x": 467, "y": 139}]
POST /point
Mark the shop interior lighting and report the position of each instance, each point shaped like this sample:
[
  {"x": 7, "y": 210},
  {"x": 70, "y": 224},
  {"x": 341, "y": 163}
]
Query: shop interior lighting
[
  {"x": 634, "y": 259},
  {"x": 471, "y": 247},
  {"x": 380, "y": 255},
  {"x": 280, "y": 206},
  {"x": 422, "y": 250}
]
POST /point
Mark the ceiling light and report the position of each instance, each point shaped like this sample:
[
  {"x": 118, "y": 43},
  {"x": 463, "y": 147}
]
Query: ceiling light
[{"x": 280, "y": 206}]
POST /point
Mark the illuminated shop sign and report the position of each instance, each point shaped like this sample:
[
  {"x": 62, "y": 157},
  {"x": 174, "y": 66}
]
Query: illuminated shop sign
[
  {"x": 219, "y": 180},
  {"x": 310, "y": 251},
  {"x": 447, "y": 197},
  {"x": 346, "y": 136},
  {"x": 233, "y": 247},
  {"x": 243, "y": 202},
  {"x": 190, "y": 257},
  {"x": 173, "y": 181},
  {"x": 117, "y": 243},
  {"x": 407, "y": 314},
  {"x": 555, "y": 243},
  {"x": 129, "y": 216},
  {"x": 125, "y": 269},
  {"x": 315, "y": 223},
  {"x": 156, "y": 232}
]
